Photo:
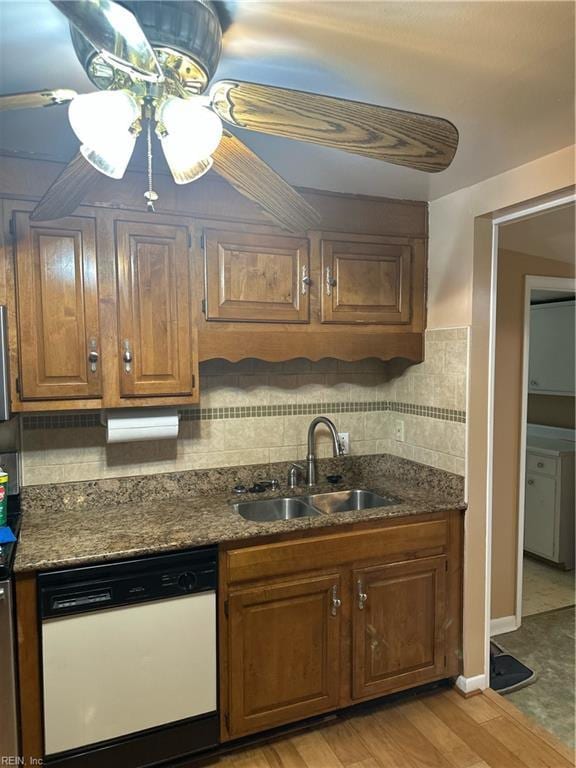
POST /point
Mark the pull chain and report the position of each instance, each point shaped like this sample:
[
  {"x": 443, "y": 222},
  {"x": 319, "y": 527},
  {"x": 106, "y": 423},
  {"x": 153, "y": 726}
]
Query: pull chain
[{"x": 150, "y": 195}]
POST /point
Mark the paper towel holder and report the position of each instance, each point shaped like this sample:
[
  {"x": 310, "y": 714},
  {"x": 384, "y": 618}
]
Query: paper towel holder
[{"x": 128, "y": 425}]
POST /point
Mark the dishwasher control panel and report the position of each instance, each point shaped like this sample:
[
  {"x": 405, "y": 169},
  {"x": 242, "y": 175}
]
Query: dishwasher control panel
[{"x": 98, "y": 587}]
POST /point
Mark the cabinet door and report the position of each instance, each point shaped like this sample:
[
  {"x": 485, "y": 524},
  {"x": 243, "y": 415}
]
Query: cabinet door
[
  {"x": 283, "y": 652},
  {"x": 398, "y": 626},
  {"x": 540, "y": 515},
  {"x": 256, "y": 278},
  {"x": 366, "y": 283},
  {"x": 155, "y": 350},
  {"x": 552, "y": 344},
  {"x": 57, "y": 292}
]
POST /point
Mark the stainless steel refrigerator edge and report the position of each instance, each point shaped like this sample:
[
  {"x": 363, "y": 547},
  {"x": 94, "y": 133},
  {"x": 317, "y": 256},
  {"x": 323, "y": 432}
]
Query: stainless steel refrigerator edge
[
  {"x": 8, "y": 713},
  {"x": 4, "y": 367}
]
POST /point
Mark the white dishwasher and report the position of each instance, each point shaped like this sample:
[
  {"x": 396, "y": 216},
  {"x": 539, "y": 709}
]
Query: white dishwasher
[{"x": 129, "y": 661}]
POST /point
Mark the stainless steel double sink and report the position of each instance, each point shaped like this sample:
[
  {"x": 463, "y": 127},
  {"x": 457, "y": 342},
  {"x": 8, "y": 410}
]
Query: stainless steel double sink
[{"x": 293, "y": 507}]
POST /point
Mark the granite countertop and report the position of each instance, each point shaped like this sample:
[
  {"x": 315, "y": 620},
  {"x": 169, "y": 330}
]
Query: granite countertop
[{"x": 62, "y": 536}]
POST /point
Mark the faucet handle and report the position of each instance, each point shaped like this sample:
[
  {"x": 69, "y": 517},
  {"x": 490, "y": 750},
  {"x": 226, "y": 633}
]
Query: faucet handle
[
  {"x": 264, "y": 485},
  {"x": 295, "y": 472}
]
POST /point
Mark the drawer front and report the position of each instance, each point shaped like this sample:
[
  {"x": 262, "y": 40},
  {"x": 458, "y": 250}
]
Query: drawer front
[
  {"x": 403, "y": 541},
  {"x": 542, "y": 465}
]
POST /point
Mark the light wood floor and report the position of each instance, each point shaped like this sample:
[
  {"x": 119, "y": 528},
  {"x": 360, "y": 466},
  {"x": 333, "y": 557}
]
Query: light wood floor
[{"x": 435, "y": 730}]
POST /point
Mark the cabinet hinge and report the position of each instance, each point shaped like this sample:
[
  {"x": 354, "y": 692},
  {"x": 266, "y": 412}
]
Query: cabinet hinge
[
  {"x": 17, "y": 385},
  {"x": 226, "y": 608},
  {"x": 12, "y": 228},
  {"x": 203, "y": 306},
  {"x": 190, "y": 240},
  {"x": 227, "y": 722},
  {"x": 202, "y": 240},
  {"x": 445, "y": 662}
]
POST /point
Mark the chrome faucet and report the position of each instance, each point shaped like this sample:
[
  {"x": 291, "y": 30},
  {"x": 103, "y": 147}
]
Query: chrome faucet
[{"x": 311, "y": 458}]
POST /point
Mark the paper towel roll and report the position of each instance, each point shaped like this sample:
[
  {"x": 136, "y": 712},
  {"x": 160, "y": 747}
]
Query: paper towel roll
[{"x": 131, "y": 425}]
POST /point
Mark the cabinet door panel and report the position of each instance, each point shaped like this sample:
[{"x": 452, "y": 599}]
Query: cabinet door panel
[
  {"x": 154, "y": 309},
  {"x": 57, "y": 308},
  {"x": 366, "y": 283},
  {"x": 284, "y": 652},
  {"x": 552, "y": 345},
  {"x": 256, "y": 278},
  {"x": 398, "y": 626},
  {"x": 540, "y": 515}
]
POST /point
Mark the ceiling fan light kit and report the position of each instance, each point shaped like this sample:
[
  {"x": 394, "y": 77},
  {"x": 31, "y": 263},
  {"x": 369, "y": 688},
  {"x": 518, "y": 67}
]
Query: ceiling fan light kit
[
  {"x": 189, "y": 133},
  {"x": 107, "y": 123},
  {"x": 154, "y": 60}
]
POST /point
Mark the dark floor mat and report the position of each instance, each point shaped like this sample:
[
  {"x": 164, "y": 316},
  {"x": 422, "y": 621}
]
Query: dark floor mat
[{"x": 507, "y": 674}]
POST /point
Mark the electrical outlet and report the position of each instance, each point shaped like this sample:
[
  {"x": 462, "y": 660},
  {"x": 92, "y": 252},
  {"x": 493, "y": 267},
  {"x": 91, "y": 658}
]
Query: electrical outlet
[
  {"x": 399, "y": 431},
  {"x": 344, "y": 438}
]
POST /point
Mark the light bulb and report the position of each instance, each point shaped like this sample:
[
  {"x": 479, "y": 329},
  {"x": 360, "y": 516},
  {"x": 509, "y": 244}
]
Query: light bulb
[
  {"x": 102, "y": 122},
  {"x": 189, "y": 133}
]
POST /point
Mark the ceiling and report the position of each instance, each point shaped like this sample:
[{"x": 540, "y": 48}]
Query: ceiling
[
  {"x": 549, "y": 235},
  {"x": 502, "y": 72}
]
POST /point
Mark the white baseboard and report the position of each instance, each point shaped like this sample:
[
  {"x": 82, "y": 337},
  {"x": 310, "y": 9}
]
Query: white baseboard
[
  {"x": 502, "y": 625},
  {"x": 470, "y": 684}
]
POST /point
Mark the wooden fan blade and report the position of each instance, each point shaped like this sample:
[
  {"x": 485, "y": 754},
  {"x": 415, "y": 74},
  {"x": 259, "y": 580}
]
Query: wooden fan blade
[
  {"x": 114, "y": 31},
  {"x": 36, "y": 99},
  {"x": 67, "y": 191},
  {"x": 253, "y": 178},
  {"x": 404, "y": 138}
]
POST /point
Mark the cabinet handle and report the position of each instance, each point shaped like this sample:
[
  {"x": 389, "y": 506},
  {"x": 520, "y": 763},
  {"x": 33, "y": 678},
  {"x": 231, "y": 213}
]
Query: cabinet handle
[
  {"x": 330, "y": 281},
  {"x": 540, "y": 464},
  {"x": 362, "y": 596},
  {"x": 306, "y": 279},
  {"x": 93, "y": 355},
  {"x": 533, "y": 383},
  {"x": 530, "y": 482},
  {"x": 127, "y": 357},
  {"x": 335, "y": 602}
]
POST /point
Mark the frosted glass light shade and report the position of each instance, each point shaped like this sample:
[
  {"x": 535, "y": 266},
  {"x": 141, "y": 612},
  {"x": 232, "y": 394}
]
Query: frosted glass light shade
[
  {"x": 102, "y": 123},
  {"x": 190, "y": 133}
]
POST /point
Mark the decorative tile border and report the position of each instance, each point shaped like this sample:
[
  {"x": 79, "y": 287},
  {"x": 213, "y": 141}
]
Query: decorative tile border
[{"x": 59, "y": 421}]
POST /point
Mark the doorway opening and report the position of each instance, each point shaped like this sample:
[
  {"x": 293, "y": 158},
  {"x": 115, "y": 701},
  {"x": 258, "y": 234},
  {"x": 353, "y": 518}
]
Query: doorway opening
[{"x": 532, "y": 462}]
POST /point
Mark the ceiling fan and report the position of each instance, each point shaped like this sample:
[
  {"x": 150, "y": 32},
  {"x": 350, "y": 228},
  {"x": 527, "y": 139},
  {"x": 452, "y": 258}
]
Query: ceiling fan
[{"x": 153, "y": 62}]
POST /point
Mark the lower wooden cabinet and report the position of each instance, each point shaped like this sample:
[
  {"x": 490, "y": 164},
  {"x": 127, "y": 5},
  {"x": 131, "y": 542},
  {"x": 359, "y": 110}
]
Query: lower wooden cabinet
[
  {"x": 398, "y": 626},
  {"x": 284, "y": 651},
  {"x": 375, "y": 610}
]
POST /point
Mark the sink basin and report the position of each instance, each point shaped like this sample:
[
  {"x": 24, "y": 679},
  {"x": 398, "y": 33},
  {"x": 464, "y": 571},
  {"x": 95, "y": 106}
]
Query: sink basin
[
  {"x": 267, "y": 510},
  {"x": 349, "y": 501}
]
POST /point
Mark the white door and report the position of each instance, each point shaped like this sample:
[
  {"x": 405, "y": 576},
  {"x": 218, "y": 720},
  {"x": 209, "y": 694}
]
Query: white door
[
  {"x": 540, "y": 515},
  {"x": 119, "y": 671}
]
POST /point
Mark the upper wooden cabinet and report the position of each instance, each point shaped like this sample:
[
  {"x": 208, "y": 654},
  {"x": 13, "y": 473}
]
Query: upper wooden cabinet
[
  {"x": 57, "y": 309},
  {"x": 366, "y": 282},
  {"x": 254, "y": 277},
  {"x": 154, "y": 319},
  {"x": 103, "y": 315}
]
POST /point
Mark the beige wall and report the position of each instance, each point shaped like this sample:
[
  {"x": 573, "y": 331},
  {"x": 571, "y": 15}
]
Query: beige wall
[
  {"x": 459, "y": 294},
  {"x": 451, "y": 228},
  {"x": 354, "y": 394},
  {"x": 552, "y": 410},
  {"x": 512, "y": 270}
]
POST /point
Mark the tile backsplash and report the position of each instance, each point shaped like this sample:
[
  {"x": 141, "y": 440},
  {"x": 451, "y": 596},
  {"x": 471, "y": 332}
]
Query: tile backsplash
[{"x": 255, "y": 412}]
